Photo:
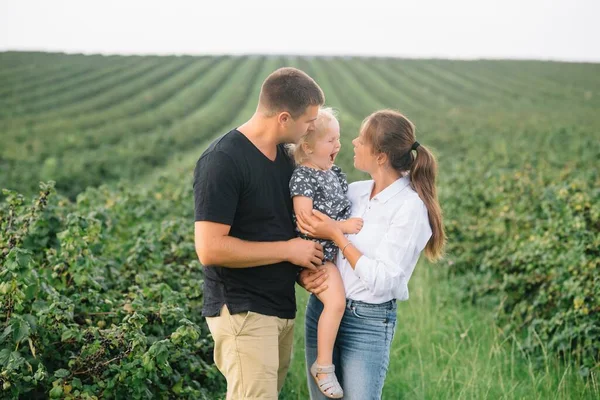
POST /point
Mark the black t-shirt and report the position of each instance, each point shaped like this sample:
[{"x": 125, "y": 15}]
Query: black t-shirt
[{"x": 237, "y": 185}]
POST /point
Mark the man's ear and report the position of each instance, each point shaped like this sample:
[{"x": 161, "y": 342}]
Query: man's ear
[{"x": 284, "y": 117}]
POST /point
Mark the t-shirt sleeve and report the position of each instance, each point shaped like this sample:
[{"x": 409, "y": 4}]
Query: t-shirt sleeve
[
  {"x": 341, "y": 177},
  {"x": 217, "y": 188},
  {"x": 303, "y": 183}
]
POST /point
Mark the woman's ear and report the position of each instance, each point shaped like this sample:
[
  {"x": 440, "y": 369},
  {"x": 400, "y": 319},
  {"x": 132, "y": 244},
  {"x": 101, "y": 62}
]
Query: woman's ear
[{"x": 382, "y": 159}]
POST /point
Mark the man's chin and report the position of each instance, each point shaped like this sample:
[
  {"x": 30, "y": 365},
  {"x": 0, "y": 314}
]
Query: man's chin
[
  {"x": 294, "y": 140},
  {"x": 289, "y": 140}
]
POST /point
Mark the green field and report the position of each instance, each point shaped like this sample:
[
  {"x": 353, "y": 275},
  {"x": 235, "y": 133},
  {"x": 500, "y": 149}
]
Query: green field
[{"x": 100, "y": 289}]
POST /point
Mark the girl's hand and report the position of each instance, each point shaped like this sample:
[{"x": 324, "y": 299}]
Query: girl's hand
[
  {"x": 351, "y": 225},
  {"x": 318, "y": 225}
]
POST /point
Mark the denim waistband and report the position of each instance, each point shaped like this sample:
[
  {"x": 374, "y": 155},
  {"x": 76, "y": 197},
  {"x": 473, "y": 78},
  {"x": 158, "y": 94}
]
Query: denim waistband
[{"x": 388, "y": 305}]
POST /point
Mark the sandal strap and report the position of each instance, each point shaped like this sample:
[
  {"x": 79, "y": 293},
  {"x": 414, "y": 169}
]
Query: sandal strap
[
  {"x": 329, "y": 380},
  {"x": 323, "y": 369},
  {"x": 330, "y": 385}
]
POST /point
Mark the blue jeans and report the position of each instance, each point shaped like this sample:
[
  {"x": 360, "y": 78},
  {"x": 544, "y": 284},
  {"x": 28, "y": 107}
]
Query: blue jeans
[{"x": 362, "y": 348}]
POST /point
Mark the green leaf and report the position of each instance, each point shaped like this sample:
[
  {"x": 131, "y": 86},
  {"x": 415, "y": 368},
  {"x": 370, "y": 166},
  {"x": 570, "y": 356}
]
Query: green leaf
[
  {"x": 4, "y": 356},
  {"x": 32, "y": 321},
  {"x": 15, "y": 360},
  {"x": 76, "y": 382},
  {"x": 7, "y": 331},
  {"x": 61, "y": 373},
  {"x": 56, "y": 392},
  {"x": 177, "y": 387},
  {"x": 23, "y": 258},
  {"x": 31, "y": 291},
  {"x": 40, "y": 374},
  {"x": 66, "y": 335},
  {"x": 20, "y": 330},
  {"x": 80, "y": 279}
]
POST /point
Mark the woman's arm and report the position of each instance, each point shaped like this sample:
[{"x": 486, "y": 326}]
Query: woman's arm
[
  {"x": 317, "y": 224},
  {"x": 304, "y": 205},
  {"x": 394, "y": 257}
]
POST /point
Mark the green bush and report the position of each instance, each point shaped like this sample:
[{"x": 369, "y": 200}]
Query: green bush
[
  {"x": 535, "y": 245},
  {"x": 102, "y": 298}
]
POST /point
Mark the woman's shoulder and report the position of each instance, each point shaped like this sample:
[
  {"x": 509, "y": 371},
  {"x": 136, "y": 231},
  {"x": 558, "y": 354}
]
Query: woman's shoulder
[
  {"x": 359, "y": 188},
  {"x": 412, "y": 205},
  {"x": 361, "y": 185}
]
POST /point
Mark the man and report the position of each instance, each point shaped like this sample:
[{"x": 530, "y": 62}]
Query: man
[{"x": 244, "y": 236}]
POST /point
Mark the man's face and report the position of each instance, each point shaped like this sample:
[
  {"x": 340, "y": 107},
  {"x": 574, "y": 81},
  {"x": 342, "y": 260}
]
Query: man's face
[{"x": 296, "y": 128}]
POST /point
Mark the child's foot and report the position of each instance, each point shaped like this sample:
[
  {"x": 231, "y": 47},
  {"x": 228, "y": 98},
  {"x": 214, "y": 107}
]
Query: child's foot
[{"x": 326, "y": 380}]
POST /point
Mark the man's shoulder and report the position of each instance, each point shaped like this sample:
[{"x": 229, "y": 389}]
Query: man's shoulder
[
  {"x": 227, "y": 148},
  {"x": 227, "y": 143},
  {"x": 220, "y": 157}
]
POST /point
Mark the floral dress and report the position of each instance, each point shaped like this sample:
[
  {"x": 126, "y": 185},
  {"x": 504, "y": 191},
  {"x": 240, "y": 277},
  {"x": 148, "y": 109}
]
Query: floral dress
[{"x": 327, "y": 189}]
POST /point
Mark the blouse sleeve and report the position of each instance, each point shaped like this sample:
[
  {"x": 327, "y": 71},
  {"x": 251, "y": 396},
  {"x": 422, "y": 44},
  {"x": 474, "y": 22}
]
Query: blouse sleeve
[
  {"x": 303, "y": 184},
  {"x": 341, "y": 177}
]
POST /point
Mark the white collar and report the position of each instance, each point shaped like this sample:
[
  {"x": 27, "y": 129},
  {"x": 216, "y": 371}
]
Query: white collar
[{"x": 390, "y": 191}]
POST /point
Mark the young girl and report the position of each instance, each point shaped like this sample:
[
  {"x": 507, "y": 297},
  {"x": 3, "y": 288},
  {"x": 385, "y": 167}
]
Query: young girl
[{"x": 319, "y": 184}]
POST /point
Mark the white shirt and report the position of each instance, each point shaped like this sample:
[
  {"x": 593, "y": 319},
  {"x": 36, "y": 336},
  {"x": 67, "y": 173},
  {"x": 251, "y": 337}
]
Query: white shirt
[{"x": 395, "y": 231}]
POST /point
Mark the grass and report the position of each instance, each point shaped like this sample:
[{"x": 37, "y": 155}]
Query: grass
[{"x": 446, "y": 349}]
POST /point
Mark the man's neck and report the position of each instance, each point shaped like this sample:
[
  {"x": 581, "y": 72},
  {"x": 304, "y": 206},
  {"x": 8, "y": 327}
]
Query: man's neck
[{"x": 260, "y": 131}]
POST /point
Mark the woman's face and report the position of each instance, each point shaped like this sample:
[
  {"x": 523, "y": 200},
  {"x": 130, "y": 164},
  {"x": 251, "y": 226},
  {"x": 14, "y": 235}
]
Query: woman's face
[{"x": 364, "y": 159}]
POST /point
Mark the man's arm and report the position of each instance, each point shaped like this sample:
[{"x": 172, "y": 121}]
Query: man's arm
[
  {"x": 214, "y": 246},
  {"x": 217, "y": 188}
]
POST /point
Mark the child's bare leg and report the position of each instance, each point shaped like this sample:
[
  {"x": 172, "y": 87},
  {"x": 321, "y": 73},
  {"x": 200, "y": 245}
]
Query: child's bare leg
[{"x": 334, "y": 303}]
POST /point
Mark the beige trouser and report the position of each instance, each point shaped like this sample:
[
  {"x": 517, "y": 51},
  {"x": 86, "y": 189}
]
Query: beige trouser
[{"x": 253, "y": 351}]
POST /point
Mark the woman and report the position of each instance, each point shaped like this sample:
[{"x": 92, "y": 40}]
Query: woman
[{"x": 402, "y": 217}]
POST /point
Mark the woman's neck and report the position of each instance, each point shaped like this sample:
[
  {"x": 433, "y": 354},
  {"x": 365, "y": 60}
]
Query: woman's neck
[{"x": 382, "y": 179}]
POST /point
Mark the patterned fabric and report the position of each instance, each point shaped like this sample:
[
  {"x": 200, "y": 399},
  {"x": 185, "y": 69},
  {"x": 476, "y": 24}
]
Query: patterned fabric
[{"x": 327, "y": 189}]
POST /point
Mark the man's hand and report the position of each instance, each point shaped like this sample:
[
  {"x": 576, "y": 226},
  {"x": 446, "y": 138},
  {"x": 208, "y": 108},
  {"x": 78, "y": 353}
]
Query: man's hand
[
  {"x": 313, "y": 282},
  {"x": 305, "y": 253},
  {"x": 351, "y": 225}
]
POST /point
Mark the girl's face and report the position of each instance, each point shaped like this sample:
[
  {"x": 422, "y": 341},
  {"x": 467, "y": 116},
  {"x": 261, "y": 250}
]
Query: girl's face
[
  {"x": 364, "y": 159},
  {"x": 325, "y": 147}
]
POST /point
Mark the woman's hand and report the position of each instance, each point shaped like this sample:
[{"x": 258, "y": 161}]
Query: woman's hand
[
  {"x": 318, "y": 225},
  {"x": 313, "y": 281}
]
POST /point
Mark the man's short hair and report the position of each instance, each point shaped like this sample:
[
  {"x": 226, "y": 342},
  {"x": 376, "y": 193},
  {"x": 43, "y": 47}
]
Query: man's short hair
[{"x": 289, "y": 89}]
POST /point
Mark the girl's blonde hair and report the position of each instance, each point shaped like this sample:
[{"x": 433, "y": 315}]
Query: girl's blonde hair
[{"x": 324, "y": 117}]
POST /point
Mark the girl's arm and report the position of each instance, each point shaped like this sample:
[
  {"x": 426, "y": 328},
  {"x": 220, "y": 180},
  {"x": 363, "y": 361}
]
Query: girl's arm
[
  {"x": 302, "y": 205},
  {"x": 305, "y": 205}
]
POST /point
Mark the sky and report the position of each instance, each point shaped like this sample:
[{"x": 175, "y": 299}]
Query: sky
[{"x": 566, "y": 30}]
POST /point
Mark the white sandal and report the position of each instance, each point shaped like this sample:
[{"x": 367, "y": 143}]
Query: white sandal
[{"x": 329, "y": 385}]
